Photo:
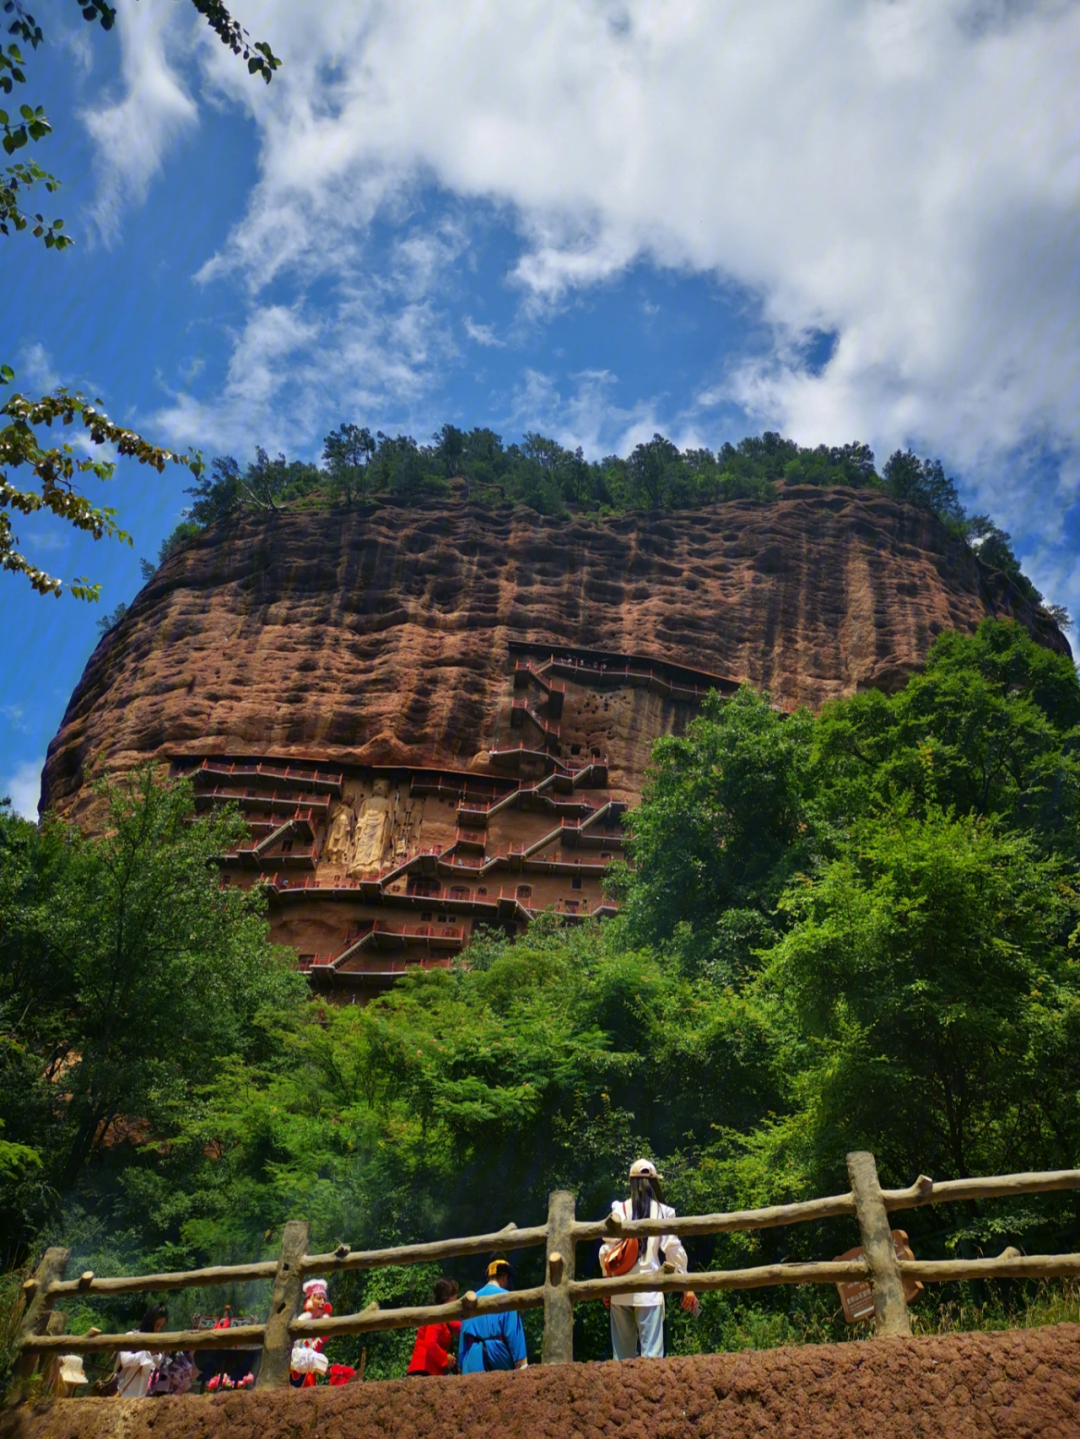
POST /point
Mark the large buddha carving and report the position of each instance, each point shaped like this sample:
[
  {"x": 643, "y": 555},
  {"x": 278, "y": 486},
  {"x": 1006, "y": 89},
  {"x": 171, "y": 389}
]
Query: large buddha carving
[{"x": 372, "y": 830}]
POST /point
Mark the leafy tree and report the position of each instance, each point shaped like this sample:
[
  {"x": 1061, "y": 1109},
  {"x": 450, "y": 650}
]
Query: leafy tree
[
  {"x": 55, "y": 471},
  {"x": 128, "y": 973},
  {"x": 449, "y": 451},
  {"x": 993, "y": 546},
  {"x": 990, "y": 728},
  {"x": 930, "y": 1003},
  {"x": 833, "y": 465},
  {"x": 106, "y": 622},
  {"x": 652, "y": 468},
  {"x": 727, "y": 817},
  {"x": 923, "y": 482},
  {"x": 347, "y": 452},
  {"x": 402, "y": 469}
]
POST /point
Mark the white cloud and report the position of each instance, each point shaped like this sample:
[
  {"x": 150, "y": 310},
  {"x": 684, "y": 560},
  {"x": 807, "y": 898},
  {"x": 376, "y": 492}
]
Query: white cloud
[
  {"x": 902, "y": 173},
  {"x": 134, "y": 133},
  {"x": 482, "y": 334},
  {"x": 36, "y": 370},
  {"x": 23, "y": 787}
]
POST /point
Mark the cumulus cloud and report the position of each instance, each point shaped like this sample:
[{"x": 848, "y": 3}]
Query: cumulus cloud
[
  {"x": 36, "y": 369},
  {"x": 134, "y": 132},
  {"x": 900, "y": 174}
]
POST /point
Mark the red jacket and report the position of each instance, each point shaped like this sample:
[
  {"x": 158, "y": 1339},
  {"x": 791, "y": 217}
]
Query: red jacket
[{"x": 431, "y": 1352}]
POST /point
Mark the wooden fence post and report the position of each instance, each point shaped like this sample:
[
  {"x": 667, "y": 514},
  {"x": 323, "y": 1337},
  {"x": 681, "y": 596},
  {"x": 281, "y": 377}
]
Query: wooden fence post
[
  {"x": 284, "y": 1304},
  {"x": 38, "y": 1311},
  {"x": 558, "y": 1306},
  {"x": 891, "y": 1318}
]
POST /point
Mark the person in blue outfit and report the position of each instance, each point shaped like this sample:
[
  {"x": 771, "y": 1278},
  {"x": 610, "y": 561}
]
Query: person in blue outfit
[{"x": 493, "y": 1341}]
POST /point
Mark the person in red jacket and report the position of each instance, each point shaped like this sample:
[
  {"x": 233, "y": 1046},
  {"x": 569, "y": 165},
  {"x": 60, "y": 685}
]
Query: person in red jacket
[{"x": 432, "y": 1350}]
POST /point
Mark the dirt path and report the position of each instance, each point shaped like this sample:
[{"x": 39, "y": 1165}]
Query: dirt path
[{"x": 1023, "y": 1384}]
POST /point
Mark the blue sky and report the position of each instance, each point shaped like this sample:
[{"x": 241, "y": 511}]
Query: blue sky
[{"x": 847, "y": 219}]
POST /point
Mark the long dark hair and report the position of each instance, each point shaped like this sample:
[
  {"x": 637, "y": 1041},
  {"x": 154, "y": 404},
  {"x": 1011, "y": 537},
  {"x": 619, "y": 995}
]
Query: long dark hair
[
  {"x": 151, "y": 1317},
  {"x": 445, "y": 1290},
  {"x": 643, "y": 1190}
]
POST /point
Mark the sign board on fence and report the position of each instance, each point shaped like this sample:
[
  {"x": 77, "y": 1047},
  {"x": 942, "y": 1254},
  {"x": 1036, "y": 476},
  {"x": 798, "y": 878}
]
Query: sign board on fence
[{"x": 858, "y": 1298}]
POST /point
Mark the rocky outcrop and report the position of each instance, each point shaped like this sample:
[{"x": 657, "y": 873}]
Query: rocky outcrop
[{"x": 379, "y": 637}]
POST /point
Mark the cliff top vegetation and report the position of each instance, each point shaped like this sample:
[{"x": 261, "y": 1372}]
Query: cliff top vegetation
[{"x": 555, "y": 482}]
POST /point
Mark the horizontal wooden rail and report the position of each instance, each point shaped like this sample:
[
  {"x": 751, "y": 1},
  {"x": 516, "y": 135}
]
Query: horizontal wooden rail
[
  {"x": 509, "y": 1238},
  {"x": 246, "y": 1336},
  {"x": 924, "y": 1191},
  {"x": 760, "y": 1277},
  {"x": 369, "y": 1321},
  {"x": 770, "y": 1218},
  {"x": 182, "y": 1279},
  {"x": 1024, "y": 1266},
  {"x": 1001, "y": 1186}
]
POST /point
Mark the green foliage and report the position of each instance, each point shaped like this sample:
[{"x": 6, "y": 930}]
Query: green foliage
[
  {"x": 54, "y": 471},
  {"x": 923, "y": 483},
  {"x": 128, "y": 975},
  {"x": 989, "y": 728},
  {"x": 929, "y": 1001},
  {"x": 348, "y": 453},
  {"x": 726, "y": 820},
  {"x": 105, "y": 622}
]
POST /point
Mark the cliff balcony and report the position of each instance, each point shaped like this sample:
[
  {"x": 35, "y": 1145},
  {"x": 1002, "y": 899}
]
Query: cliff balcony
[
  {"x": 292, "y": 776},
  {"x": 382, "y": 934},
  {"x": 286, "y": 855},
  {"x": 261, "y": 799}
]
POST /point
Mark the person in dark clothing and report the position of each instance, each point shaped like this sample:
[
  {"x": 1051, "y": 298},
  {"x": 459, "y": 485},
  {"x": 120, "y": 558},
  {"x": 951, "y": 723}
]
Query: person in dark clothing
[{"x": 493, "y": 1341}]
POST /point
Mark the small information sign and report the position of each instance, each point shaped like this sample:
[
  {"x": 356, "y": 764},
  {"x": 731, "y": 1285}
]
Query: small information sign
[{"x": 857, "y": 1297}]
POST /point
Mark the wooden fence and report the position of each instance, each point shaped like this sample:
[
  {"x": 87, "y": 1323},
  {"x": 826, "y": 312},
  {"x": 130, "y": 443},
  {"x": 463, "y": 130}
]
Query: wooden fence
[{"x": 41, "y": 1331}]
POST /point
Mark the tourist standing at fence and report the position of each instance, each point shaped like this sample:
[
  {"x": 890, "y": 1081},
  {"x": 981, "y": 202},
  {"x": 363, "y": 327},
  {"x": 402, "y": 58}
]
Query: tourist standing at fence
[
  {"x": 637, "y": 1320},
  {"x": 493, "y": 1341},
  {"x": 137, "y": 1365},
  {"x": 434, "y": 1342}
]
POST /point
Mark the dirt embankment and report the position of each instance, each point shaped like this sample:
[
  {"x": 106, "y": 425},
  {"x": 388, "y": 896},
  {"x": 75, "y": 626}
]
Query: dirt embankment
[{"x": 1024, "y": 1384}]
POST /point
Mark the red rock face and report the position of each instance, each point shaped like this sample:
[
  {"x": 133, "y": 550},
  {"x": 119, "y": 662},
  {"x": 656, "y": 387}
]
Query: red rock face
[{"x": 391, "y": 644}]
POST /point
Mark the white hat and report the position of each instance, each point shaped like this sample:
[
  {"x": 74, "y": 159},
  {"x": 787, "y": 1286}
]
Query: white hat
[
  {"x": 313, "y": 1284},
  {"x": 71, "y": 1369},
  {"x": 644, "y": 1169}
]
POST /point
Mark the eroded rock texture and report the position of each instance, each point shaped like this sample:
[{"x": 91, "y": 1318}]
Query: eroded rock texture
[
  {"x": 434, "y": 721},
  {"x": 381, "y": 637}
]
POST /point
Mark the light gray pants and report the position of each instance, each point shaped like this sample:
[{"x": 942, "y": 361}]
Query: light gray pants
[{"x": 637, "y": 1325}]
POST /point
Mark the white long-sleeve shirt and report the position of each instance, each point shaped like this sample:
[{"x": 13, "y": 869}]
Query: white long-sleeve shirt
[
  {"x": 649, "y": 1260},
  {"x": 136, "y": 1367}
]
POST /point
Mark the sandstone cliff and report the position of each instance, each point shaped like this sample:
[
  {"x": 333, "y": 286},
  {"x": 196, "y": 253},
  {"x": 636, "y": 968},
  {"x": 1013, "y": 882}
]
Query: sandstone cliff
[{"x": 379, "y": 637}]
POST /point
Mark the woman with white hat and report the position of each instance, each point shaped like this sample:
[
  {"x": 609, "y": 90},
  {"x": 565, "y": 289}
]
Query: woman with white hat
[
  {"x": 637, "y": 1320},
  {"x": 308, "y": 1360}
]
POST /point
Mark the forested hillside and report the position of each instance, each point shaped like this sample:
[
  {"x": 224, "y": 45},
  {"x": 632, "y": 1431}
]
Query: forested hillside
[{"x": 855, "y": 929}]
